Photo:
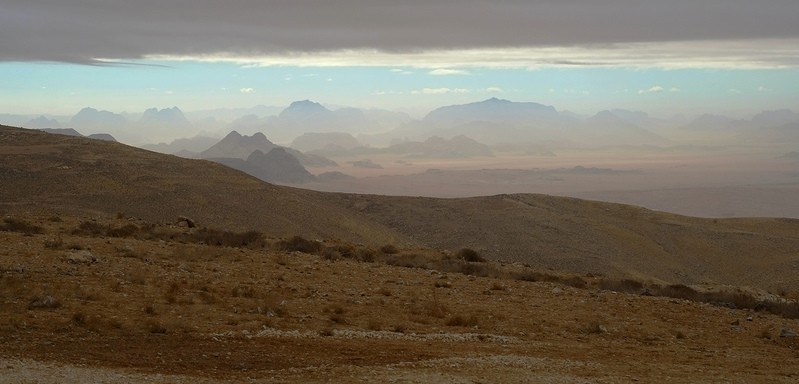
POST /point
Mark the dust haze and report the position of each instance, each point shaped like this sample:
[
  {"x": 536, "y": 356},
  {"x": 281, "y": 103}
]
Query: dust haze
[{"x": 706, "y": 165}]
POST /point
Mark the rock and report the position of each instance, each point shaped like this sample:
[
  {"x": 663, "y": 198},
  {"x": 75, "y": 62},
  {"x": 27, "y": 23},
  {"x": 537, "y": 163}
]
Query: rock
[
  {"x": 81, "y": 257},
  {"x": 736, "y": 322},
  {"x": 749, "y": 318},
  {"x": 556, "y": 290},
  {"x": 184, "y": 221},
  {"x": 787, "y": 333}
]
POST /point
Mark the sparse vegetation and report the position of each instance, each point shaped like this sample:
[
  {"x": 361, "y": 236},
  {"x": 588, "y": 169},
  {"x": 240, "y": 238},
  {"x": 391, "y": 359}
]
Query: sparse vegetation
[
  {"x": 389, "y": 249},
  {"x": 470, "y": 255},
  {"x": 462, "y": 321},
  {"x": 12, "y": 224},
  {"x": 300, "y": 244}
]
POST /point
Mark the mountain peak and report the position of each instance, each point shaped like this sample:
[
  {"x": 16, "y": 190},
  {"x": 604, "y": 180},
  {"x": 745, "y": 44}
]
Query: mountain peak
[
  {"x": 304, "y": 109},
  {"x": 493, "y": 109}
]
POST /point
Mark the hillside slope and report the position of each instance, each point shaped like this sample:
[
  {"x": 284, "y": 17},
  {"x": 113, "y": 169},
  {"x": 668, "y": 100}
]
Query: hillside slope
[
  {"x": 596, "y": 237},
  {"x": 41, "y": 172},
  {"x": 44, "y": 172}
]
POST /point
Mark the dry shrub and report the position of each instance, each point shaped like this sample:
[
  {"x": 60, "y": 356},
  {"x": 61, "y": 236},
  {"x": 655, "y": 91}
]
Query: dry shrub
[
  {"x": 730, "y": 299},
  {"x": 156, "y": 327},
  {"x": 300, "y": 244},
  {"x": 389, "y": 249},
  {"x": 273, "y": 307},
  {"x": 574, "y": 281},
  {"x": 127, "y": 230},
  {"x": 90, "y": 228},
  {"x": 462, "y": 321},
  {"x": 788, "y": 310},
  {"x": 624, "y": 285},
  {"x": 54, "y": 219},
  {"x": 413, "y": 260},
  {"x": 210, "y": 236},
  {"x": 79, "y": 319},
  {"x": 384, "y": 291},
  {"x": 374, "y": 325},
  {"x": 470, "y": 255},
  {"x": 498, "y": 287},
  {"x": 243, "y": 291},
  {"x": 533, "y": 276},
  {"x": 595, "y": 328},
  {"x": 12, "y": 224},
  {"x": 678, "y": 291},
  {"x": 54, "y": 243},
  {"x": 365, "y": 255}
]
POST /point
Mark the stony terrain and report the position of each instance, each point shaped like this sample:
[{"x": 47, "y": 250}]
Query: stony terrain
[{"x": 82, "y": 306}]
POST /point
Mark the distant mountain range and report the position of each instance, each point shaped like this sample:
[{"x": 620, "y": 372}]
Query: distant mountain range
[{"x": 493, "y": 122}]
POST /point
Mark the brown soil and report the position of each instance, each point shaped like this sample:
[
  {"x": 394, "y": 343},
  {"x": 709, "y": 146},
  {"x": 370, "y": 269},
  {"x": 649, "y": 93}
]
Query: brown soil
[{"x": 83, "y": 308}]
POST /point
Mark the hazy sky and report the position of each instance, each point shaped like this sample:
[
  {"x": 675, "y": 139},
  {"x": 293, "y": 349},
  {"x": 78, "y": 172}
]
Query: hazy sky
[{"x": 664, "y": 57}]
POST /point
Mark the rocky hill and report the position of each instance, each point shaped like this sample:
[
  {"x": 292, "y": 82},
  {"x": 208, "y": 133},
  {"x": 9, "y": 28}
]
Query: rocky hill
[{"x": 52, "y": 172}]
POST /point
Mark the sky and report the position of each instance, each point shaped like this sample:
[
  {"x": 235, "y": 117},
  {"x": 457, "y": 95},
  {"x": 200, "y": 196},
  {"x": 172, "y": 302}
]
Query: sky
[{"x": 730, "y": 57}]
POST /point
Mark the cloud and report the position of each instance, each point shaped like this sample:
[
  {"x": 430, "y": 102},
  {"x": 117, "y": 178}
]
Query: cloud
[
  {"x": 247, "y": 90},
  {"x": 447, "y": 72},
  {"x": 541, "y": 32},
  {"x": 401, "y": 71},
  {"x": 494, "y": 90},
  {"x": 653, "y": 89},
  {"x": 439, "y": 91}
]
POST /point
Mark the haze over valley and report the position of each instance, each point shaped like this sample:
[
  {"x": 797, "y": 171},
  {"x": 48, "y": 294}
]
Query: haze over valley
[{"x": 706, "y": 165}]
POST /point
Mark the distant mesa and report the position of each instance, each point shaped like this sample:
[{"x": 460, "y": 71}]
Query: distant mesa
[{"x": 491, "y": 110}]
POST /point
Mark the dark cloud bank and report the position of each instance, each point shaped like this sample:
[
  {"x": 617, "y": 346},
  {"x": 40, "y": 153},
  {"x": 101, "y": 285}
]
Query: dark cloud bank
[{"x": 83, "y": 30}]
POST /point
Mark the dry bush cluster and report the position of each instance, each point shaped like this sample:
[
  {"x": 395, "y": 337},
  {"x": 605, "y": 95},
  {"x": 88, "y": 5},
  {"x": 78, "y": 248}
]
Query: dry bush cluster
[
  {"x": 206, "y": 236},
  {"x": 12, "y": 224}
]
